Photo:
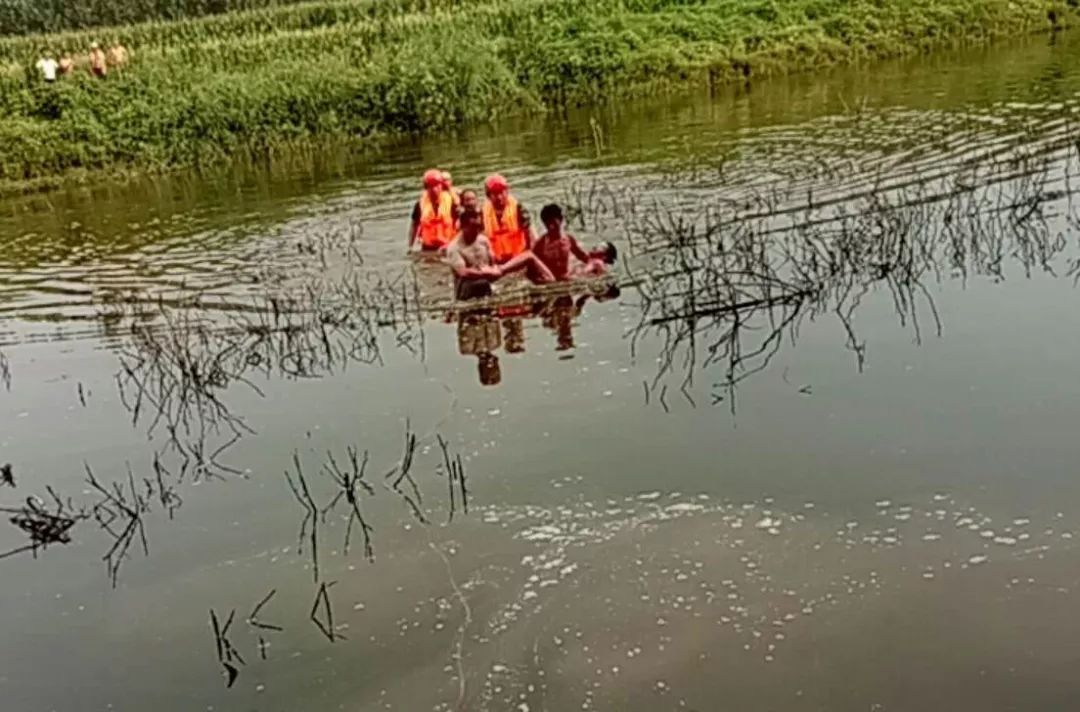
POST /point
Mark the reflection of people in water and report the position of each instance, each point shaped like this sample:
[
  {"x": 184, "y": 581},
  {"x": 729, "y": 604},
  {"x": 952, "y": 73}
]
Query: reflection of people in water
[
  {"x": 515, "y": 335},
  {"x": 480, "y": 335},
  {"x": 559, "y": 315}
]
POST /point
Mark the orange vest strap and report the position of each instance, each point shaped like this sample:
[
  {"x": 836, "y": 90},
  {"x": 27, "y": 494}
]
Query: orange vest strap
[
  {"x": 436, "y": 222},
  {"x": 506, "y": 235}
]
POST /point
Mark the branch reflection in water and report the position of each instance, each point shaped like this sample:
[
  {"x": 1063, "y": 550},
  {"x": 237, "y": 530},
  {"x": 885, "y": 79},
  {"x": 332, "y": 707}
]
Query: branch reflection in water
[{"x": 726, "y": 272}]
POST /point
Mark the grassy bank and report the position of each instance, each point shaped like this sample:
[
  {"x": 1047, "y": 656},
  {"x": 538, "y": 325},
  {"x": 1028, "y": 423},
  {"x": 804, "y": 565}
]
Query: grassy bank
[
  {"x": 21, "y": 17},
  {"x": 200, "y": 89}
]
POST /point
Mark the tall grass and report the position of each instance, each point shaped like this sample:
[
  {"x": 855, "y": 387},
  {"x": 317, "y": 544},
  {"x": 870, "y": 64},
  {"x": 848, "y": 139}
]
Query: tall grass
[
  {"x": 200, "y": 89},
  {"x": 20, "y": 17}
]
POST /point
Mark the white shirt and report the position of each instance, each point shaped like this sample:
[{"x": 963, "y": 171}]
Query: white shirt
[{"x": 48, "y": 68}]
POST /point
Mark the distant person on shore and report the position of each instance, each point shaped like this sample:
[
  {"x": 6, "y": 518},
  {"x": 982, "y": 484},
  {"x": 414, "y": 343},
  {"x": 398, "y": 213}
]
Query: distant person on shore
[
  {"x": 98, "y": 62},
  {"x": 556, "y": 247},
  {"x": 118, "y": 55},
  {"x": 48, "y": 67},
  {"x": 471, "y": 260},
  {"x": 66, "y": 65},
  {"x": 434, "y": 217},
  {"x": 506, "y": 223}
]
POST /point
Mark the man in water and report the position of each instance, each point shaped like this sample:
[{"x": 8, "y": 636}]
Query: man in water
[
  {"x": 434, "y": 217},
  {"x": 48, "y": 66},
  {"x": 556, "y": 247},
  {"x": 469, "y": 200},
  {"x": 506, "y": 223},
  {"x": 471, "y": 260}
]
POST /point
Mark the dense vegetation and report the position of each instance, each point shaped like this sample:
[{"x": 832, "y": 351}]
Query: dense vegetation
[
  {"x": 22, "y": 17},
  {"x": 201, "y": 88}
]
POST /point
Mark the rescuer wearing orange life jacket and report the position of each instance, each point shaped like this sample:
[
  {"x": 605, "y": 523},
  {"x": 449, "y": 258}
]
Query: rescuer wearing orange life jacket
[
  {"x": 448, "y": 186},
  {"x": 506, "y": 223},
  {"x": 434, "y": 217}
]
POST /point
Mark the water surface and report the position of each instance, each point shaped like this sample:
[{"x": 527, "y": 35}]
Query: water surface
[{"x": 860, "y": 497}]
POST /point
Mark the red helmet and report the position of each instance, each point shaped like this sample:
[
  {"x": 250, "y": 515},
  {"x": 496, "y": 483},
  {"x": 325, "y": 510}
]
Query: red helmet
[
  {"x": 433, "y": 178},
  {"x": 496, "y": 184}
]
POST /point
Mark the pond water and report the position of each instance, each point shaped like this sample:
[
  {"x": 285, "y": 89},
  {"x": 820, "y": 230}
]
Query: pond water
[{"x": 816, "y": 452}]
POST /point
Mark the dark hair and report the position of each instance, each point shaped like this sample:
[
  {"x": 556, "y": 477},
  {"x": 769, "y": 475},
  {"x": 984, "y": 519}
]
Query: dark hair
[
  {"x": 551, "y": 211},
  {"x": 610, "y": 253},
  {"x": 468, "y": 215}
]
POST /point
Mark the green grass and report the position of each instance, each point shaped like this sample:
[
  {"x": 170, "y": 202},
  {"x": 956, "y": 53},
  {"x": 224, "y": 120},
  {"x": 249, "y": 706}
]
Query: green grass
[{"x": 201, "y": 89}]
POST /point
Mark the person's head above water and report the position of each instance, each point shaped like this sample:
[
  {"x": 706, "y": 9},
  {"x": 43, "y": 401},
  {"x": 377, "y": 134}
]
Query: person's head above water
[
  {"x": 497, "y": 188},
  {"x": 469, "y": 200},
  {"x": 552, "y": 217},
  {"x": 433, "y": 181},
  {"x": 471, "y": 224},
  {"x": 447, "y": 180}
]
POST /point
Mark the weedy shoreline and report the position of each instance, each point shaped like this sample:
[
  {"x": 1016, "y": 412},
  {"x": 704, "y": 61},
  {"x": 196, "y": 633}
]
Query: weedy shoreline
[{"x": 200, "y": 90}]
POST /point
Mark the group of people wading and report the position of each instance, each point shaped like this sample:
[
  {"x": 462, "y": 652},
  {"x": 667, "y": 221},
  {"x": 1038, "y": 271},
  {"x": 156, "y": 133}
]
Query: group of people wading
[{"x": 483, "y": 244}]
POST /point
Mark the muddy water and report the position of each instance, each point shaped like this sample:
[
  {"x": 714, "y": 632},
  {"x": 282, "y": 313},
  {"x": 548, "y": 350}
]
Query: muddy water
[{"x": 861, "y": 499}]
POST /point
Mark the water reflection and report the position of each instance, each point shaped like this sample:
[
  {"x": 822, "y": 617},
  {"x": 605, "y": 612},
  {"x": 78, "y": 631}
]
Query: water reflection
[
  {"x": 483, "y": 331},
  {"x": 480, "y": 334},
  {"x": 606, "y": 589}
]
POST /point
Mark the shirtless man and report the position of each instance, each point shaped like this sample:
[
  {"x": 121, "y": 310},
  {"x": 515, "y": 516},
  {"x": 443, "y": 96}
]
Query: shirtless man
[
  {"x": 66, "y": 65},
  {"x": 555, "y": 248},
  {"x": 118, "y": 55},
  {"x": 98, "y": 65},
  {"x": 473, "y": 265}
]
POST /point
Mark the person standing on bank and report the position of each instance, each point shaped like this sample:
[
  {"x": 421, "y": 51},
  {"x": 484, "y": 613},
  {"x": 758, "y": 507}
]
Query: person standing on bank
[
  {"x": 118, "y": 55},
  {"x": 434, "y": 217},
  {"x": 98, "y": 63},
  {"x": 66, "y": 64},
  {"x": 506, "y": 223},
  {"x": 47, "y": 66}
]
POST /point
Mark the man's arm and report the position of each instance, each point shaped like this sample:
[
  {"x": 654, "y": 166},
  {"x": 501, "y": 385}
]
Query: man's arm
[
  {"x": 576, "y": 250},
  {"x": 487, "y": 273},
  {"x": 525, "y": 221},
  {"x": 463, "y": 271}
]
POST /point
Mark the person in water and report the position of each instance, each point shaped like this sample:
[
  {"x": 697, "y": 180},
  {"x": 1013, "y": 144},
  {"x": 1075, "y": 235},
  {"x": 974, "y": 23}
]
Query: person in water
[
  {"x": 473, "y": 264},
  {"x": 470, "y": 200},
  {"x": 556, "y": 247},
  {"x": 506, "y": 222},
  {"x": 434, "y": 217}
]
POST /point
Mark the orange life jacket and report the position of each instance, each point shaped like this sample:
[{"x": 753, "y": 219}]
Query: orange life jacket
[
  {"x": 507, "y": 237},
  {"x": 437, "y": 226}
]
